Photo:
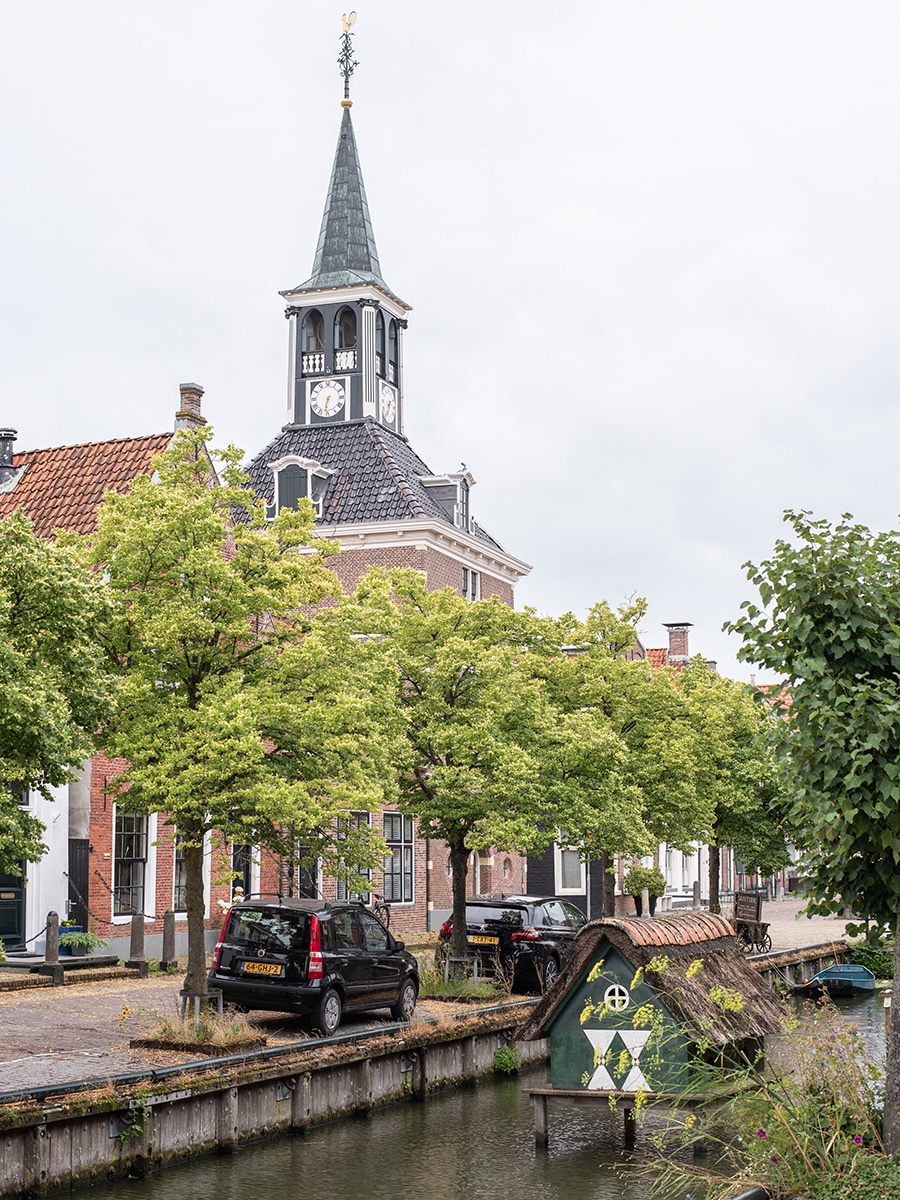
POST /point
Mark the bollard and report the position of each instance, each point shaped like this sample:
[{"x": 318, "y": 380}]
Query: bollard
[
  {"x": 645, "y": 902},
  {"x": 136, "y": 959},
  {"x": 50, "y": 965},
  {"x": 51, "y": 953},
  {"x": 168, "y": 962},
  {"x": 696, "y": 893}
]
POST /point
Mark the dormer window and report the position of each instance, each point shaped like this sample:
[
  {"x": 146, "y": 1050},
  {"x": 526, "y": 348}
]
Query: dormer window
[
  {"x": 345, "y": 340},
  {"x": 452, "y": 494},
  {"x": 462, "y": 504},
  {"x": 298, "y": 479}
]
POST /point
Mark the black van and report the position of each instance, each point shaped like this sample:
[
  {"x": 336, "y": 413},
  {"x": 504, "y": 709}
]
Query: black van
[{"x": 312, "y": 958}]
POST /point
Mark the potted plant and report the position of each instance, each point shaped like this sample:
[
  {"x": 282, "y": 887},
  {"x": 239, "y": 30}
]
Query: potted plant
[
  {"x": 637, "y": 878},
  {"x": 80, "y": 942}
]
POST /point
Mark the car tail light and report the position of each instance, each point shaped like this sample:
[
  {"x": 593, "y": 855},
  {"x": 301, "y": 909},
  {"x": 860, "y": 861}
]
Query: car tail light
[
  {"x": 526, "y": 935},
  {"x": 446, "y": 929},
  {"x": 220, "y": 943},
  {"x": 316, "y": 963}
]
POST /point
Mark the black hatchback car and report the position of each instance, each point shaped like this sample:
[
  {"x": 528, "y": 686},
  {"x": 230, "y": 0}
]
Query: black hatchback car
[
  {"x": 312, "y": 958},
  {"x": 527, "y": 938}
]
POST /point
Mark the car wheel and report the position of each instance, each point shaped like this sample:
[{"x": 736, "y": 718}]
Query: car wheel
[
  {"x": 406, "y": 1002},
  {"x": 328, "y": 1015},
  {"x": 551, "y": 973}
]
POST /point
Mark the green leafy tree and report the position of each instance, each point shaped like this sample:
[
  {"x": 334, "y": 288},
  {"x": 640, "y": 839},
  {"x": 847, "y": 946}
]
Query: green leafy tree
[
  {"x": 828, "y": 626},
  {"x": 55, "y": 688},
  {"x": 650, "y": 795},
  {"x": 241, "y": 703},
  {"x": 478, "y": 725},
  {"x": 736, "y": 772}
]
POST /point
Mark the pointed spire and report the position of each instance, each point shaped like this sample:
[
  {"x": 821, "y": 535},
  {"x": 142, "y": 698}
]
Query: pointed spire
[{"x": 346, "y": 253}]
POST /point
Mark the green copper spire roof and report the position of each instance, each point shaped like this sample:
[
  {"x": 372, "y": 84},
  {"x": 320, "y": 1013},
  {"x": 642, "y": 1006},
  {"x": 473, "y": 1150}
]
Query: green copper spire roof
[{"x": 346, "y": 253}]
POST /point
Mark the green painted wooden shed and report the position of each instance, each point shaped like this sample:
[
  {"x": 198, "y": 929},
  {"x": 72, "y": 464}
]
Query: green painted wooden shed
[{"x": 643, "y": 997}]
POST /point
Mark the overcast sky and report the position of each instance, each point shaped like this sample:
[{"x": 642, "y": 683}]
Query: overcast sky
[{"x": 652, "y": 249}]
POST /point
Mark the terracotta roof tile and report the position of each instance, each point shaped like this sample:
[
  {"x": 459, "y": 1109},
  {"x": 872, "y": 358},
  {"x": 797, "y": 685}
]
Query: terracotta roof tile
[
  {"x": 62, "y": 487},
  {"x": 681, "y": 930},
  {"x": 656, "y": 658}
]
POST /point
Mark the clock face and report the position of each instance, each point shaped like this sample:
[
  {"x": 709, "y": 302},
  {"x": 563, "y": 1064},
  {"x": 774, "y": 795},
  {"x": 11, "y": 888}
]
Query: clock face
[
  {"x": 327, "y": 398},
  {"x": 388, "y": 403}
]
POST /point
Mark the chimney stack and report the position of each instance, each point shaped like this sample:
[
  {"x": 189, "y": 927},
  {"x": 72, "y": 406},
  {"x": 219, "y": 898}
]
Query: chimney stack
[
  {"x": 7, "y": 470},
  {"x": 678, "y": 641},
  {"x": 189, "y": 415}
]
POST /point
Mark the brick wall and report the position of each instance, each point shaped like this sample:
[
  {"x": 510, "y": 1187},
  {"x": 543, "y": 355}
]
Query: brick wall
[
  {"x": 104, "y": 771},
  {"x": 441, "y": 570}
]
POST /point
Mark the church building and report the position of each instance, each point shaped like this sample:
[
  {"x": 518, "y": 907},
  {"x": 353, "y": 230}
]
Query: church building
[{"x": 343, "y": 446}]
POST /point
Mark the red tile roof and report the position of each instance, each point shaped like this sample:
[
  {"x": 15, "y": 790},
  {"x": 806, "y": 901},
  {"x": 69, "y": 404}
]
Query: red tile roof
[
  {"x": 656, "y": 658},
  {"x": 61, "y": 487},
  {"x": 681, "y": 930}
]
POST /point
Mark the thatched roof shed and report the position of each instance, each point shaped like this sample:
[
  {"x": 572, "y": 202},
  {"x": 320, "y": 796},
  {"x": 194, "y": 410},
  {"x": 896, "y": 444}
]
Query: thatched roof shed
[{"x": 648, "y": 992}]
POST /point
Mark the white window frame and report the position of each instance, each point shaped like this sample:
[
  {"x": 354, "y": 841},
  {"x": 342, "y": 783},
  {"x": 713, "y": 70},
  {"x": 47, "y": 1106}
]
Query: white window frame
[
  {"x": 362, "y": 817},
  {"x": 149, "y": 870},
  {"x": 317, "y": 478},
  {"x": 402, "y": 844},
  {"x": 558, "y": 850}
]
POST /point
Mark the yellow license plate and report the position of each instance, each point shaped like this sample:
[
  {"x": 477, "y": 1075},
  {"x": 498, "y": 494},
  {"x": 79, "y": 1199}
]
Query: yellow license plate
[
  {"x": 261, "y": 968},
  {"x": 480, "y": 940}
]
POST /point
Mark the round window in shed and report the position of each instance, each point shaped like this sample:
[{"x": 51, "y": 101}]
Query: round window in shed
[{"x": 616, "y": 997}]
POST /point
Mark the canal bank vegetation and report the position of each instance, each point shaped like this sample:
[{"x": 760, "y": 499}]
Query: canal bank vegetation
[
  {"x": 827, "y": 626},
  {"x": 810, "y": 1126}
]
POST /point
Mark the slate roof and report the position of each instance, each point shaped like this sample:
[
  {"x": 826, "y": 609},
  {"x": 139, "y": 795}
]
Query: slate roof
[
  {"x": 377, "y": 474},
  {"x": 62, "y": 487},
  {"x": 684, "y": 939},
  {"x": 346, "y": 253}
]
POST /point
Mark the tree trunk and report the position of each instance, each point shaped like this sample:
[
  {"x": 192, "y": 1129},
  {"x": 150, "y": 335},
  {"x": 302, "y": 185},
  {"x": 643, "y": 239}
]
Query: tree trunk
[
  {"x": 609, "y": 885},
  {"x": 459, "y": 863},
  {"x": 715, "y": 859},
  {"x": 892, "y": 1074},
  {"x": 195, "y": 981}
]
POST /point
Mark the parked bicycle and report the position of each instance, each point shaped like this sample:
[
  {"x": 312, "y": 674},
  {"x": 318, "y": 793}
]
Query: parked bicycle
[{"x": 382, "y": 909}]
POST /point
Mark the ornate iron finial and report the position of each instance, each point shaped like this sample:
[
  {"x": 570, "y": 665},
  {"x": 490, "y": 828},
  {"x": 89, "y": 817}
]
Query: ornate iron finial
[{"x": 346, "y": 61}]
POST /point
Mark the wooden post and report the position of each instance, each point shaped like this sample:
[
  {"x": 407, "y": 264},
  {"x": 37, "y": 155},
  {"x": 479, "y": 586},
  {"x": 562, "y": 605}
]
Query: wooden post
[
  {"x": 136, "y": 959},
  {"x": 50, "y": 965},
  {"x": 227, "y": 1121},
  {"x": 630, "y": 1125},
  {"x": 540, "y": 1120},
  {"x": 420, "y": 1074},
  {"x": 168, "y": 960},
  {"x": 300, "y": 1105}
]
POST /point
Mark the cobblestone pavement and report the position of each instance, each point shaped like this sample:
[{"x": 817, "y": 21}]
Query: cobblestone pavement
[
  {"x": 61, "y": 1035},
  {"x": 789, "y": 929}
]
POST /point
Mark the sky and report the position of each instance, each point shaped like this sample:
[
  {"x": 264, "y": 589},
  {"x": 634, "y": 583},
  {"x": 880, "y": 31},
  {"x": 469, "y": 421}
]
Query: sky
[{"x": 652, "y": 249}]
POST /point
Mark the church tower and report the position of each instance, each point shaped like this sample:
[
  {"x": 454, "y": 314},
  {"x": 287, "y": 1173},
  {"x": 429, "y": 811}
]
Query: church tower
[
  {"x": 346, "y": 325},
  {"x": 343, "y": 445}
]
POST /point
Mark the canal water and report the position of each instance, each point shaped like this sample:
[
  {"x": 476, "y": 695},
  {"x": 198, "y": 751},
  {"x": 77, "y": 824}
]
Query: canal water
[{"x": 473, "y": 1143}]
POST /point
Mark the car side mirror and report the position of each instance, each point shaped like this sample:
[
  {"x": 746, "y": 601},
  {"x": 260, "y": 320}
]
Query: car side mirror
[{"x": 399, "y": 945}]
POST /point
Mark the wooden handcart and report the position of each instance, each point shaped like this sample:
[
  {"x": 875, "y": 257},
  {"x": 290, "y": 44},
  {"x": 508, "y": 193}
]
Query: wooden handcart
[{"x": 751, "y": 934}]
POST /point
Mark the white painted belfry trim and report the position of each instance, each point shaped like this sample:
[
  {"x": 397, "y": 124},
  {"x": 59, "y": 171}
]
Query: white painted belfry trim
[
  {"x": 312, "y": 297},
  {"x": 292, "y": 369},
  {"x": 469, "y": 550}
]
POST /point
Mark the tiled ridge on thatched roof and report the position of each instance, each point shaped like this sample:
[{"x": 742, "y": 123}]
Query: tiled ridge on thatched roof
[
  {"x": 682, "y": 930},
  {"x": 682, "y": 940}
]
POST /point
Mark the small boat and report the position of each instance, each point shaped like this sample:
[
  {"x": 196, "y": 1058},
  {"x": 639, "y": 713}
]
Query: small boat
[{"x": 846, "y": 979}]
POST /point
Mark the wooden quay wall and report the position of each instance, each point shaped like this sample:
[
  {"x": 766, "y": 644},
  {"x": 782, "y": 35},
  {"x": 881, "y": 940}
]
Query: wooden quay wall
[{"x": 128, "y": 1126}]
